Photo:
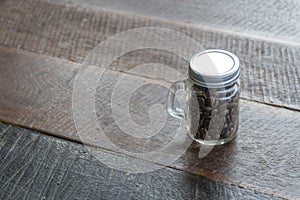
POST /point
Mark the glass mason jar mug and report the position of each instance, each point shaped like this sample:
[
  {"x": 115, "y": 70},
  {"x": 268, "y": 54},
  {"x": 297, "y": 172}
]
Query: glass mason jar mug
[{"x": 212, "y": 93}]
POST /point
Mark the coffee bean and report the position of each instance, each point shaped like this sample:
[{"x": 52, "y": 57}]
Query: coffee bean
[
  {"x": 206, "y": 123},
  {"x": 228, "y": 118},
  {"x": 225, "y": 125},
  {"x": 207, "y": 110},
  {"x": 225, "y": 133},
  {"x": 208, "y": 102},
  {"x": 227, "y": 112},
  {"x": 201, "y": 102},
  {"x": 203, "y": 132}
]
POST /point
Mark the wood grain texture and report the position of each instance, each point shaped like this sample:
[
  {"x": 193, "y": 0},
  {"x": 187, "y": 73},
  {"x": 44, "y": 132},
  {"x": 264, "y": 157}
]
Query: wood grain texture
[
  {"x": 36, "y": 92},
  {"x": 36, "y": 166},
  {"x": 269, "y": 70},
  {"x": 273, "y": 20}
]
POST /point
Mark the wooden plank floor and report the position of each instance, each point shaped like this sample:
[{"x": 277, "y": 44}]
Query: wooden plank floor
[
  {"x": 38, "y": 64},
  {"x": 71, "y": 32},
  {"x": 273, "y": 20},
  {"x": 35, "y": 166},
  {"x": 268, "y": 136}
]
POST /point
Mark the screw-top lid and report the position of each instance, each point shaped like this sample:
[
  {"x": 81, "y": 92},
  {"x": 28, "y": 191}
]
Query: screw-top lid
[{"x": 214, "y": 68}]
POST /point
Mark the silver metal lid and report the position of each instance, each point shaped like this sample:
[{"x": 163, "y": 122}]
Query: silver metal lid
[{"x": 214, "y": 68}]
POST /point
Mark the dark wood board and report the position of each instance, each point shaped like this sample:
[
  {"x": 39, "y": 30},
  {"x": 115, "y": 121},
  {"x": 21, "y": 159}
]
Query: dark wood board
[
  {"x": 272, "y": 20},
  {"x": 270, "y": 69},
  {"x": 36, "y": 92},
  {"x": 36, "y": 166}
]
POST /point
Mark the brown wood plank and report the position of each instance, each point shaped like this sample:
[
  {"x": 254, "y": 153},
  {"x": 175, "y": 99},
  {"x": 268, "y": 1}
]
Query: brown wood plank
[
  {"x": 36, "y": 92},
  {"x": 36, "y": 166},
  {"x": 272, "y": 20},
  {"x": 270, "y": 69}
]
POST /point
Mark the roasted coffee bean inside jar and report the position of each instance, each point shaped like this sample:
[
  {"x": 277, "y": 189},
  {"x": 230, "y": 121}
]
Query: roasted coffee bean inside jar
[{"x": 217, "y": 113}]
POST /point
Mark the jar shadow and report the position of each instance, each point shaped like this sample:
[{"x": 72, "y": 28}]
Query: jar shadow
[{"x": 219, "y": 162}]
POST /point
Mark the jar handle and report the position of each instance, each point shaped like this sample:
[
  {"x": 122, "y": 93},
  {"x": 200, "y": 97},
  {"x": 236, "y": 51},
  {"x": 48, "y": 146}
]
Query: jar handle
[{"x": 172, "y": 110}]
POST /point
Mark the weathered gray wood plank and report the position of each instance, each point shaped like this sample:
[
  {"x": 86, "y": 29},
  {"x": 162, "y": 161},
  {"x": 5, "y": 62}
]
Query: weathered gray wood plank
[
  {"x": 273, "y": 19},
  {"x": 35, "y": 166},
  {"x": 270, "y": 70},
  {"x": 265, "y": 154},
  {"x": 36, "y": 92}
]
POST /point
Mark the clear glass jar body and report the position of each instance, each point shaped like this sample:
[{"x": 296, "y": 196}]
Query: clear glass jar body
[{"x": 212, "y": 114}]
